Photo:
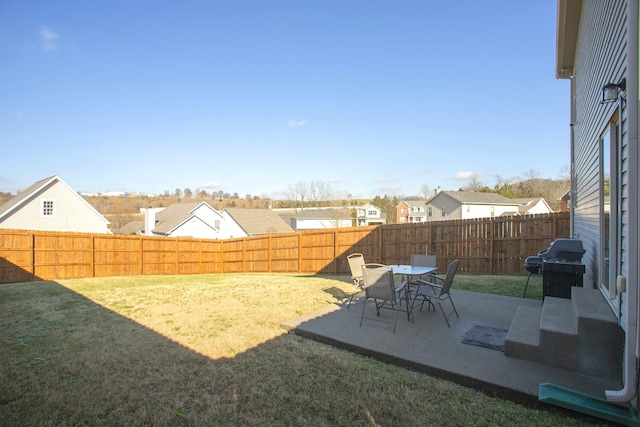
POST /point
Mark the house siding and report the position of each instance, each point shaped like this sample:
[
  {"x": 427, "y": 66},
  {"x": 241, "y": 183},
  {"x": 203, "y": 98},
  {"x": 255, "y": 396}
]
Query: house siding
[
  {"x": 484, "y": 211},
  {"x": 195, "y": 227},
  {"x": 451, "y": 206},
  {"x": 229, "y": 228},
  {"x": 600, "y": 59},
  {"x": 208, "y": 214},
  {"x": 455, "y": 209}
]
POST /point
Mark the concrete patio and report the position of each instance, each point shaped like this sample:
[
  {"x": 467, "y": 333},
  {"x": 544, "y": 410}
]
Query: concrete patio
[{"x": 428, "y": 345}]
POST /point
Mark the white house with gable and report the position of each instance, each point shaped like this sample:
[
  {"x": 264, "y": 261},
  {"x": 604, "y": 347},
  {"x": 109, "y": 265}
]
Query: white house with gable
[{"x": 51, "y": 205}]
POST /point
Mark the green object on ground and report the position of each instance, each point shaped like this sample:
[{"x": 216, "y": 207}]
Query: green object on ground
[{"x": 587, "y": 404}]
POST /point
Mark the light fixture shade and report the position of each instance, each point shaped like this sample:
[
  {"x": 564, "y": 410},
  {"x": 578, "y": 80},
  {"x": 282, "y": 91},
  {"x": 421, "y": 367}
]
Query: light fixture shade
[{"x": 610, "y": 93}]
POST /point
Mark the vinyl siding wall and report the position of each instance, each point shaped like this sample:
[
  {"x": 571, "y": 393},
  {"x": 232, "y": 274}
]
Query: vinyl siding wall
[
  {"x": 195, "y": 227},
  {"x": 600, "y": 59},
  {"x": 485, "y": 211}
]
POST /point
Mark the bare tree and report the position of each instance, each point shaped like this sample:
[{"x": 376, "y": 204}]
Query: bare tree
[
  {"x": 531, "y": 174},
  {"x": 504, "y": 187},
  {"x": 297, "y": 194},
  {"x": 425, "y": 190},
  {"x": 474, "y": 184},
  {"x": 319, "y": 193},
  {"x": 532, "y": 184}
]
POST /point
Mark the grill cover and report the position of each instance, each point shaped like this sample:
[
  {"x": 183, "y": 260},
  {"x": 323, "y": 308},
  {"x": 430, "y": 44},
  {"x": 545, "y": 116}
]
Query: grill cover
[
  {"x": 570, "y": 250},
  {"x": 560, "y": 250}
]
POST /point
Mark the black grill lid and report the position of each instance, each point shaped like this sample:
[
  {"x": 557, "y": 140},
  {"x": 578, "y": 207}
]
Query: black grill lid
[{"x": 563, "y": 250}]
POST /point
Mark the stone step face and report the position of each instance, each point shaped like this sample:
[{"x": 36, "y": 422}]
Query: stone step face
[
  {"x": 523, "y": 338},
  {"x": 580, "y": 334},
  {"x": 600, "y": 338}
]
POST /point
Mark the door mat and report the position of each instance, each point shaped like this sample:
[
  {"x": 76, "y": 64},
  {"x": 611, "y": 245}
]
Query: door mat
[{"x": 486, "y": 336}]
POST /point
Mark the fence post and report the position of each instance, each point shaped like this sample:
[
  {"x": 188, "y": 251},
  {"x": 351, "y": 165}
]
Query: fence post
[
  {"x": 244, "y": 255},
  {"x": 299, "y": 252},
  {"x": 200, "y": 256},
  {"x": 93, "y": 256},
  {"x": 380, "y": 245},
  {"x": 221, "y": 258},
  {"x": 33, "y": 257},
  {"x": 270, "y": 254},
  {"x": 335, "y": 251},
  {"x": 492, "y": 230},
  {"x": 141, "y": 255}
]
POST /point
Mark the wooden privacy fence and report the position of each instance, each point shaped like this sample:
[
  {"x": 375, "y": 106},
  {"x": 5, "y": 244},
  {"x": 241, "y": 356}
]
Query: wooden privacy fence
[{"x": 483, "y": 246}]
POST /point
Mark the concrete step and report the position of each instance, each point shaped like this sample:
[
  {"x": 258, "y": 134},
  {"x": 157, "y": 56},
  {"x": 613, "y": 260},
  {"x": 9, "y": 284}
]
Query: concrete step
[
  {"x": 580, "y": 334},
  {"x": 558, "y": 333},
  {"x": 600, "y": 338},
  {"x": 523, "y": 338}
]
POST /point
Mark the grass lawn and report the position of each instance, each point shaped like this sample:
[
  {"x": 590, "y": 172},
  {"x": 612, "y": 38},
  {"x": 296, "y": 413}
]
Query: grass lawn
[{"x": 208, "y": 350}]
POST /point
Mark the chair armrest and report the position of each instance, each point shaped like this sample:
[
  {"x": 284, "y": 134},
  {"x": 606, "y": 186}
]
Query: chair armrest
[
  {"x": 402, "y": 286},
  {"x": 431, "y": 288}
]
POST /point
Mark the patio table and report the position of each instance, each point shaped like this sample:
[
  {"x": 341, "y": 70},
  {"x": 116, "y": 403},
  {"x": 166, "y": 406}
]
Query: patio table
[{"x": 409, "y": 272}]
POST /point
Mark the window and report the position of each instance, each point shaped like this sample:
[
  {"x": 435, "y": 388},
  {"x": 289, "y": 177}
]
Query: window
[
  {"x": 443, "y": 211},
  {"x": 430, "y": 211},
  {"x": 217, "y": 224},
  {"x": 371, "y": 213},
  {"x": 493, "y": 211},
  {"x": 48, "y": 208}
]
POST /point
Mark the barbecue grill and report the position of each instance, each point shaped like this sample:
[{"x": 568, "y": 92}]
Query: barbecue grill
[{"x": 560, "y": 251}]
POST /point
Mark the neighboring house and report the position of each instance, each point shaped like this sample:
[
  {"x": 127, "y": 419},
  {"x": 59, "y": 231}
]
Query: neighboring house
[
  {"x": 411, "y": 211},
  {"x": 402, "y": 212},
  {"x": 51, "y": 205},
  {"x": 448, "y": 205},
  {"x": 198, "y": 220},
  {"x": 565, "y": 201},
  {"x": 370, "y": 214},
  {"x": 597, "y": 45},
  {"x": 315, "y": 219},
  {"x": 533, "y": 206},
  {"x": 242, "y": 222}
]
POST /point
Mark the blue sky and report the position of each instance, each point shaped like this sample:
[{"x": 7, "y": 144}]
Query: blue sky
[{"x": 370, "y": 97}]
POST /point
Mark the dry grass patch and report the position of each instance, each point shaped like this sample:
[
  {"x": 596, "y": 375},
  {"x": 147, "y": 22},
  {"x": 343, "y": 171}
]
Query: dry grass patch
[{"x": 208, "y": 350}]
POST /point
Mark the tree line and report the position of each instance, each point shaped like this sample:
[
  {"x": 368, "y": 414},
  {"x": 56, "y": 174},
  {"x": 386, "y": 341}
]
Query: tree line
[{"x": 317, "y": 194}]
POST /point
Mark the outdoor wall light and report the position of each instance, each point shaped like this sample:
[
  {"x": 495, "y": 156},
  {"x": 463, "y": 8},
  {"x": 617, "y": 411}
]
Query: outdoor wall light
[{"x": 611, "y": 91}]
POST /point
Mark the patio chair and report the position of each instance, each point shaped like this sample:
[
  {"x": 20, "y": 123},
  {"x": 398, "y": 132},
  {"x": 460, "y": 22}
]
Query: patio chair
[
  {"x": 356, "y": 261},
  {"x": 381, "y": 289},
  {"x": 439, "y": 290},
  {"x": 424, "y": 260}
]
